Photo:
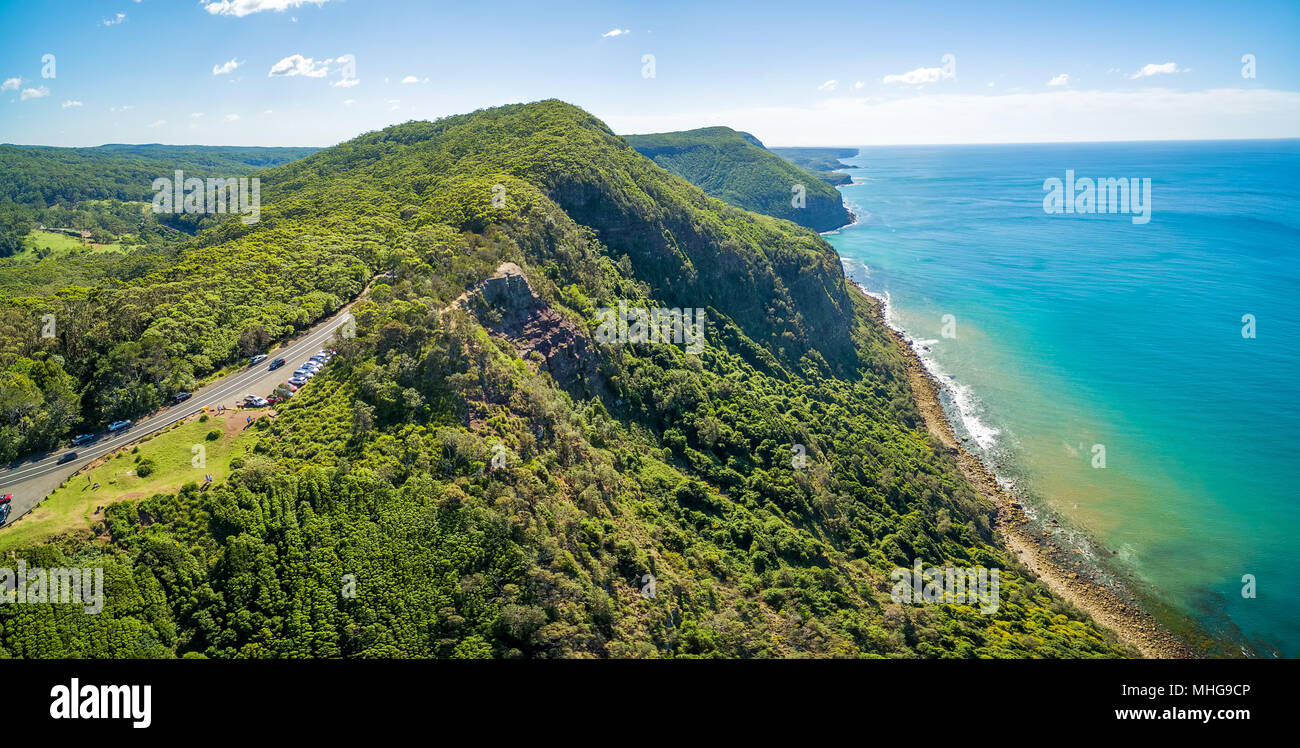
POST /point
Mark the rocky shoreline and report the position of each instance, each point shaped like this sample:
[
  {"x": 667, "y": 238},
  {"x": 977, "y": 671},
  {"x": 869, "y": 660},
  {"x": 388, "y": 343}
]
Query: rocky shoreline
[{"x": 1111, "y": 604}]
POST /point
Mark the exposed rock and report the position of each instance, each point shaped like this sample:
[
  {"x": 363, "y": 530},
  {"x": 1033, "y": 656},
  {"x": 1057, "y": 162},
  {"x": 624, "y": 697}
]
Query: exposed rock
[{"x": 532, "y": 326}]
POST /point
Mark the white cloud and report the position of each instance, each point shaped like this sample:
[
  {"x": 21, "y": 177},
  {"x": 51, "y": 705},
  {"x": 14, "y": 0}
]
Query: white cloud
[
  {"x": 349, "y": 102},
  {"x": 241, "y": 8},
  {"x": 916, "y": 77},
  {"x": 395, "y": 102},
  {"x": 1045, "y": 115},
  {"x": 231, "y": 117},
  {"x": 828, "y": 85},
  {"x": 225, "y": 67},
  {"x": 616, "y": 32},
  {"x": 11, "y": 84},
  {"x": 345, "y": 82},
  {"x": 1061, "y": 80},
  {"x": 71, "y": 103},
  {"x": 992, "y": 84},
  {"x": 299, "y": 65},
  {"x": 122, "y": 108},
  {"x": 157, "y": 124},
  {"x": 410, "y": 79},
  {"x": 1154, "y": 69},
  {"x": 859, "y": 84},
  {"x": 34, "y": 93},
  {"x": 196, "y": 115},
  {"x": 120, "y": 17}
]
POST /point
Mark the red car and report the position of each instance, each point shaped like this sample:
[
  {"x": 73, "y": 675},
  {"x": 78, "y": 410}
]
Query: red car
[{"x": 6, "y": 498}]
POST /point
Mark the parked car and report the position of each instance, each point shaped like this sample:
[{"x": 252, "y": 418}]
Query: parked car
[
  {"x": 297, "y": 381},
  {"x": 313, "y": 365},
  {"x": 289, "y": 386},
  {"x": 69, "y": 457},
  {"x": 273, "y": 399},
  {"x": 4, "y": 507},
  {"x": 181, "y": 397},
  {"x": 117, "y": 426},
  {"x": 304, "y": 373},
  {"x": 259, "y": 358},
  {"x": 277, "y": 364},
  {"x": 77, "y": 441},
  {"x": 321, "y": 359}
]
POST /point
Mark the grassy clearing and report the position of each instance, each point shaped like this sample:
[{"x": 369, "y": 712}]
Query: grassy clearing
[
  {"x": 75, "y": 505},
  {"x": 53, "y": 244}
]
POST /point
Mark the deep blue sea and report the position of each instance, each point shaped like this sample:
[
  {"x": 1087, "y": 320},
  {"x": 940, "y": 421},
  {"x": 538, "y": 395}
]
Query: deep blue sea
[{"x": 1105, "y": 367}]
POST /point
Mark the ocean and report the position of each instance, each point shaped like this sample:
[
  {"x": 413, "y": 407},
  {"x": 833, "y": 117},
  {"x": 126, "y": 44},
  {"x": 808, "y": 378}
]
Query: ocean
[{"x": 1133, "y": 376}]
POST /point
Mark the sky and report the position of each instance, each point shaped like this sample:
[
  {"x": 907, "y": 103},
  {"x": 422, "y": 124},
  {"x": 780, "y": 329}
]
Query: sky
[{"x": 318, "y": 72}]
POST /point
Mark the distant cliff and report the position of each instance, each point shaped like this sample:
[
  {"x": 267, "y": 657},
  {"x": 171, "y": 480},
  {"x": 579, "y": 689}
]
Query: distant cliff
[
  {"x": 735, "y": 167},
  {"x": 824, "y": 162}
]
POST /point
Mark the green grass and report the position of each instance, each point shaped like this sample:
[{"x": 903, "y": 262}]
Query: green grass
[
  {"x": 72, "y": 506},
  {"x": 53, "y": 244}
]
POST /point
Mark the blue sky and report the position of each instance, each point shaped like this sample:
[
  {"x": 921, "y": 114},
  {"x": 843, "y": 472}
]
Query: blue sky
[{"x": 317, "y": 72}]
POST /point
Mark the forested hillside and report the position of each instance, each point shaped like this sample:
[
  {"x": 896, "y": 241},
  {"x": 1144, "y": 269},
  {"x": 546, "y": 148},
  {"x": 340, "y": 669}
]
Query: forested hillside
[
  {"x": 476, "y": 475},
  {"x": 735, "y": 168},
  {"x": 43, "y": 175}
]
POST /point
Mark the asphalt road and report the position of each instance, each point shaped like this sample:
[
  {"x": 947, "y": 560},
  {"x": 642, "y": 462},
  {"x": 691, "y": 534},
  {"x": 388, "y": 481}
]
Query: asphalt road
[{"x": 31, "y": 480}]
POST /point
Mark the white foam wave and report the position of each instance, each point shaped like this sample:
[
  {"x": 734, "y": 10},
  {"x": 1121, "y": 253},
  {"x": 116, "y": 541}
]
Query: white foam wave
[{"x": 964, "y": 399}]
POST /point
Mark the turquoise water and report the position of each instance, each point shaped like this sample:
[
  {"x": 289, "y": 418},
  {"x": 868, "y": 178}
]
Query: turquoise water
[{"x": 1075, "y": 330}]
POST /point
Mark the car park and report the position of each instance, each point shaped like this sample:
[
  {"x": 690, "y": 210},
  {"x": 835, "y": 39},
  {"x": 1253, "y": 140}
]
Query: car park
[
  {"x": 82, "y": 439},
  {"x": 117, "y": 426},
  {"x": 69, "y": 457},
  {"x": 259, "y": 358},
  {"x": 277, "y": 364}
]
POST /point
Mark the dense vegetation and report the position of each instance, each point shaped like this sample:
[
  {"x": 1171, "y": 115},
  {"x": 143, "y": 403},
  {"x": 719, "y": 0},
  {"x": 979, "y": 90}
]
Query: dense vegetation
[
  {"x": 89, "y": 337},
  {"x": 735, "y": 168},
  {"x": 40, "y": 176},
  {"x": 823, "y": 162},
  {"x": 435, "y": 494}
]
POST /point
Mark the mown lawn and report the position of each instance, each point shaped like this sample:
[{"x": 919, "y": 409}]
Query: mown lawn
[{"x": 76, "y": 505}]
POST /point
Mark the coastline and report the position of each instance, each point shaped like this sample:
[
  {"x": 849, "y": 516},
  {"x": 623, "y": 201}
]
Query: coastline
[{"x": 1113, "y": 606}]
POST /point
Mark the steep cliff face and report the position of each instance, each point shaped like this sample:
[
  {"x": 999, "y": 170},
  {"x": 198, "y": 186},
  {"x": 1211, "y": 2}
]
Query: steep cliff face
[
  {"x": 544, "y": 338},
  {"x": 735, "y": 168}
]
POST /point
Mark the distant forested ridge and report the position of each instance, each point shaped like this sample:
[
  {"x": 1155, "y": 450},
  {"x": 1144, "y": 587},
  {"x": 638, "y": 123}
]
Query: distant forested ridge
[
  {"x": 40, "y": 176},
  {"x": 735, "y": 168},
  {"x": 475, "y": 476},
  {"x": 824, "y": 162}
]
